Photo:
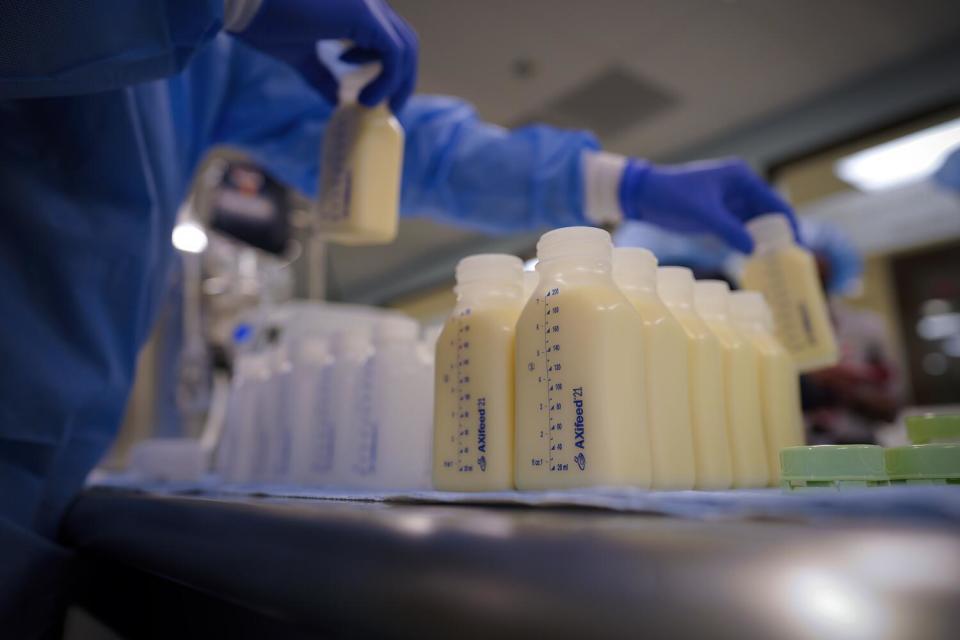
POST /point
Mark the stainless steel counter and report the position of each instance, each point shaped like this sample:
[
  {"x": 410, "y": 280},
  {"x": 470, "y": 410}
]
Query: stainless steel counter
[{"x": 319, "y": 568}]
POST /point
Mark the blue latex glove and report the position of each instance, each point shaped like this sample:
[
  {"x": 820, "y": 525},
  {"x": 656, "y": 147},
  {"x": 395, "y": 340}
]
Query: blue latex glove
[
  {"x": 290, "y": 29},
  {"x": 715, "y": 197}
]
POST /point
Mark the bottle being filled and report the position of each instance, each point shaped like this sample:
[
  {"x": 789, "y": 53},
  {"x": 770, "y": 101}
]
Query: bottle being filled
[
  {"x": 360, "y": 169},
  {"x": 711, "y": 440},
  {"x": 778, "y": 381},
  {"x": 473, "y": 440},
  {"x": 740, "y": 369},
  {"x": 786, "y": 274},
  {"x": 666, "y": 393},
  {"x": 580, "y": 416}
]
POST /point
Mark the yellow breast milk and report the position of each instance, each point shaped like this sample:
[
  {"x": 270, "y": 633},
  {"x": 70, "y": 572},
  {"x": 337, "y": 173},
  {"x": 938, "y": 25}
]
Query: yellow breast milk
[
  {"x": 580, "y": 417},
  {"x": 360, "y": 168},
  {"x": 740, "y": 369},
  {"x": 778, "y": 380},
  {"x": 714, "y": 465},
  {"x": 786, "y": 275},
  {"x": 667, "y": 390},
  {"x": 474, "y": 387}
]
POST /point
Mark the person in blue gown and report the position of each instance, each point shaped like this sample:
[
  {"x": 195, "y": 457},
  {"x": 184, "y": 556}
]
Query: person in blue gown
[{"x": 106, "y": 110}]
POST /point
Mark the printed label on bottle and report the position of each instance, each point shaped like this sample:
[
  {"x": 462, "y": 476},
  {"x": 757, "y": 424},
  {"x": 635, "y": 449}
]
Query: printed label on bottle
[{"x": 336, "y": 176}]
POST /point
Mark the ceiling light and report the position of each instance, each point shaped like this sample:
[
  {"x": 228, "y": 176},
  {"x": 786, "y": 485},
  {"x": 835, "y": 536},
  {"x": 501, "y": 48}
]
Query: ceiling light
[{"x": 910, "y": 158}]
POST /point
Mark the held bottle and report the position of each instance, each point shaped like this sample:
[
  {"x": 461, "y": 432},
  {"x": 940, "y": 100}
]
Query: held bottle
[
  {"x": 360, "y": 169},
  {"x": 706, "y": 370},
  {"x": 580, "y": 417},
  {"x": 740, "y": 369},
  {"x": 666, "y": 393},
  {"x": 473, "y": 442},
  {"x": 786, "y": 274},
  {"x": 778, "y": 381}
]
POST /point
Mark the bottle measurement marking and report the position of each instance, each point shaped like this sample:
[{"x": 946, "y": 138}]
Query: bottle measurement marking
[
  {"x": 462, "y": 369},
  {"x": 551, "y": 344}
]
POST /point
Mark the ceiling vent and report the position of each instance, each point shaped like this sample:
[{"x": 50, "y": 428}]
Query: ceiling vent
[{"x": 608, "y": 104}]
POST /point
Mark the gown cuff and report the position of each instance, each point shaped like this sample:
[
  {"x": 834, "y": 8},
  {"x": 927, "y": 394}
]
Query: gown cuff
[{"x": 601, "y": 179}]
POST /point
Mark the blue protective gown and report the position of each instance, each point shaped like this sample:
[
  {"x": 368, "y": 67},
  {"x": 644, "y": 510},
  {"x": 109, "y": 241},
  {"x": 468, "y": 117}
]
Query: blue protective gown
[{"x": 106, "y": 109}]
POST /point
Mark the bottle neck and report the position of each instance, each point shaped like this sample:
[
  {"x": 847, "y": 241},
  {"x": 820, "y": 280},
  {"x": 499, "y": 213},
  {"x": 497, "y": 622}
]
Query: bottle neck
[
  {"x": 677, "y": 303},
  {"x": 472, "y": 293},
  {"x": 575, "y": 267},
  {"x": 636, "y": 286}
]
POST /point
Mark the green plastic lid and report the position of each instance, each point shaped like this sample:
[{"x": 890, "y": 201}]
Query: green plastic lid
[
  {"x": 924, "y": 461},
  {"x": 833, "y": 462},
  {"x": 933, "y": 428}
]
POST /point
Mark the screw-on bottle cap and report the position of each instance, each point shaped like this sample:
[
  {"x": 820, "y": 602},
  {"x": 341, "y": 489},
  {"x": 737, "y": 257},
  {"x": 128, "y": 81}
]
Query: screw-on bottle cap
[
  {"x": 770, "y": 231},
  {"x": 712, "y": 298},
  {"x": 351, "y": 343},
  {"x": 396, "y": 329},
  {"x": 634, "y": 268},
  {"x": 313, "y": 349},
  {"x": 749, "y": 307},
  {"x": 351, "y": 84},
  {"x": 587, "y": 243},
  {"x": 493, "y": 268},
  {"x": 675, "y": 286}
]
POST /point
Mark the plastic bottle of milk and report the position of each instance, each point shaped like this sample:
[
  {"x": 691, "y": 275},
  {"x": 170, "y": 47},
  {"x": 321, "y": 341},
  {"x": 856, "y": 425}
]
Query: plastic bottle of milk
[
  {"x": 391, "y": 445},
  {"x": 786, "y": 274},
  {"x": 339, "y": 412},
  {"x": 707, "y": 395},
  {"x": 779, "y": 383},
  {"x": 473, "y": 400},
  {"x": 667, "y": 392},
  {"x": 360, "y": 169},
  {"x": 580, "y": 416},
  {"x": 530, "y": 280},
  {"x": 311, "y": 458},
  {"x": 744, "y": 416}
]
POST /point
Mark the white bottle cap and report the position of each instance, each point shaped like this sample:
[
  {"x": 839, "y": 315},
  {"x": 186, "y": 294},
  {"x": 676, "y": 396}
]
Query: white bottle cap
[
  {"x": 396, "y": 329},
  {"x": 750, "y": 307},
  {"x": 313, "y": 349},
  {"x": 712, "y": 298},
  {"x": 494, "y": 268},
  {"x": 675, "y": 286},
  {"x": 530, "y": 281},
  {"x": 351, "y": 343},
  {"x": 634, "y": 268},
  {"x": 587, "y": 243},
  {"x": 770, "y": 231},
  {"x": 351, "y": 84},
  {"x": 431, "y": 334}
]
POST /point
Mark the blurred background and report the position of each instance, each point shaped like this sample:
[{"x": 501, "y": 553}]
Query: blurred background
[{"x": 849, "y": 108}]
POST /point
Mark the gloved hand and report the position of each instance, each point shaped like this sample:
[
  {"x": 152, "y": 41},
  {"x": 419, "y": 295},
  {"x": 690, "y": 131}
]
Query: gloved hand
[
  {"x": 716, "y": 196},
  {"x": 290, "y": 29}
]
